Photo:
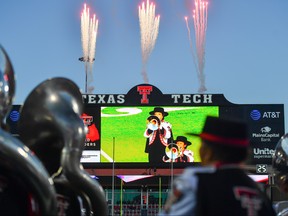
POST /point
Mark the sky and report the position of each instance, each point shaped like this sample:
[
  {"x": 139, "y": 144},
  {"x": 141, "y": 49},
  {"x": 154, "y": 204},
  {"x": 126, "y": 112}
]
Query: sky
[{"x": 246, "y": 56}]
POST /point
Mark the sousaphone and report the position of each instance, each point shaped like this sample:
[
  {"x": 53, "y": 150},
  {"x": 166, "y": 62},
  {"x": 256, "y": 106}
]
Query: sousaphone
[
  {"x": 7, "y": 87},
  {"x": 21, "y": 171},
  {"x": 51, "y": 125}
]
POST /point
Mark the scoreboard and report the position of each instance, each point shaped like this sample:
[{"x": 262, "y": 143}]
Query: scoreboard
[{"x": 116, "y": 123}]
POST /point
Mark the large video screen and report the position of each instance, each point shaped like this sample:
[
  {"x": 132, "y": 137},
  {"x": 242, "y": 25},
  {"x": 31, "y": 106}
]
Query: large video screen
[{"x": 124, "y": 127}]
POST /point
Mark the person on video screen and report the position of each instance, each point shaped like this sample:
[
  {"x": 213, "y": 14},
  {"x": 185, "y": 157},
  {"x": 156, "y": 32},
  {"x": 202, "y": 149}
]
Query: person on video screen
[
  {"x": 158, "y": 134},
  {"x": 93, "y": 133},
  {"x": 181, "y": 153}
]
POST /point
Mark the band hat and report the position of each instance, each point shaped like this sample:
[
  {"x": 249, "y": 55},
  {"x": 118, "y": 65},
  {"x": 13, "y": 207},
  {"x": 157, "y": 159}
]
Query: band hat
[
  {"x": 159, "y": 109},
  {"x": 182, "y": 139},
  {"x": 224, "y": 131}
]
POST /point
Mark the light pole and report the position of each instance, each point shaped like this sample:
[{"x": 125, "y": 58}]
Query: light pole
[
  {"x": 113, "y": 176},
  {"x": 86, "y": 61},
  {"x": 173, "y": 154}
]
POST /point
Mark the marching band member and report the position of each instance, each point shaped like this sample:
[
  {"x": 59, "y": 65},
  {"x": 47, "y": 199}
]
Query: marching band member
[{"x": 158, "y": 134}]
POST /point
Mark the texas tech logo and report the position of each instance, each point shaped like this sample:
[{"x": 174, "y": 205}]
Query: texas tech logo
[
  {"x": 249, "y": 199},
  {"x": 144, "y": 91}
]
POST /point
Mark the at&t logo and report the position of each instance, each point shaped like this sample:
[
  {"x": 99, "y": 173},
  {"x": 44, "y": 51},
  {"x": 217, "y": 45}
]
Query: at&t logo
[{"x": 256, "y": 115}]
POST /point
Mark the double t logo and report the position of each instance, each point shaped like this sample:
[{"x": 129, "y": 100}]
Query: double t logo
[
  {"x": 144, "y": 91},
  {"x": 249, "y": 199}
]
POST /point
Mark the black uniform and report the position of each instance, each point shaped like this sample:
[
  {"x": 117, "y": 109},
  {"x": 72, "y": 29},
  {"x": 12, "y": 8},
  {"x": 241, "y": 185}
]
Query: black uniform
[
  {"x": 229, "y": 191},
  {"x": 225, "y": 191}
]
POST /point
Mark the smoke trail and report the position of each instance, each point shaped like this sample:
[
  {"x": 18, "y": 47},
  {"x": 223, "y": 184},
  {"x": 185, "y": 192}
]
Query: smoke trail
[
  {"x": 191, "y": 45},
  {"x": 89, "y": 29},
  {"x": 200, "y": 17},
  {"x": 149, "y": 28}
]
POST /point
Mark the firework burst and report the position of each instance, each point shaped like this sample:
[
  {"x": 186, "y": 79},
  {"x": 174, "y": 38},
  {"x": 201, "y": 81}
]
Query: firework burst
[
  {"x": 149, "y": 27},
  {"x": 89, "y": 29},
  {"x": 200, "y": 17}
]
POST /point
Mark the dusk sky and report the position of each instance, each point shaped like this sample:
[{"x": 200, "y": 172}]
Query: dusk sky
[{"x": 246, "y": 50}]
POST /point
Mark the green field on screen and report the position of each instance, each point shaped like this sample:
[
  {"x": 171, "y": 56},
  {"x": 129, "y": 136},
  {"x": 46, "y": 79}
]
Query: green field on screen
[{"x": 126, "y": 126}]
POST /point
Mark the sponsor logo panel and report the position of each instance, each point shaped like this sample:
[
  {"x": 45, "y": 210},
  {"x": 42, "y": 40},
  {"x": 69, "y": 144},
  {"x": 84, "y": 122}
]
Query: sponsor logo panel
[
  {"x": 262, "y": 154},
  {"x": 266, "y": 113},
  {"x": 266, "y": 133}
]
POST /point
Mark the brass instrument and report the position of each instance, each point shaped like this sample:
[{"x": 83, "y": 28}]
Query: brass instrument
[
  {"x": 51, "y": 118},
  {"x": 153, "y": 122},
  {"x": 172, "y": 151},
  {"x": 280, "y": 164},
  {"x": 15, "y": 158},
  {"x": 7, "y": 87}
]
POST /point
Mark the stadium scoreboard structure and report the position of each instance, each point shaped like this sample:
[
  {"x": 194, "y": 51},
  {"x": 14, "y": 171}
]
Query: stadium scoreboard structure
[{"x": 116, "y": 124}]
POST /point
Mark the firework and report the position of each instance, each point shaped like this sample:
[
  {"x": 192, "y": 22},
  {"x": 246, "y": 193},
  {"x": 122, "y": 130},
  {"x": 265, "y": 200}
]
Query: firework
[
  {"x": 200, "y": 17},
  {"x": 149, "y": 27},
  {"x": 89, "y": 29}
]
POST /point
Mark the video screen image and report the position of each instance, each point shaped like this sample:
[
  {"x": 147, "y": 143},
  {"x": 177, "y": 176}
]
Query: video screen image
[{"x": 124, "y": 129}]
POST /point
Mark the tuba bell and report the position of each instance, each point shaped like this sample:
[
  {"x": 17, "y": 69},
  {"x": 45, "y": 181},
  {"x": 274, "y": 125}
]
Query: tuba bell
[
  {"x": 280, "y": 164},
  {"x": 23, "y": 178},
  {"x": 51, "y": 125},
  {"x": 7, "y": 87}
]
